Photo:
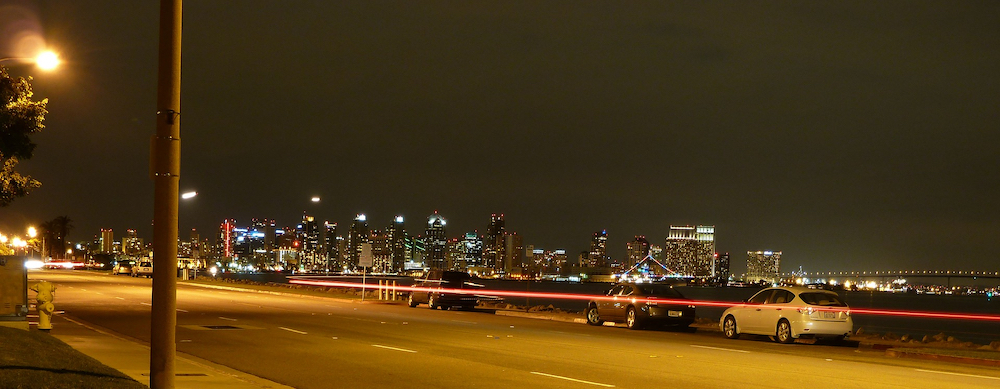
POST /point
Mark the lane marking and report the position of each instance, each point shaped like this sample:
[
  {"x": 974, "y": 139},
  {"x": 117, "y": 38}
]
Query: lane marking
[
  {"x": 120, "y": 298},
  {"x": 146, "y": 304},
  {"x": 226, "y": 318},
  {"x": 393, "y": 348},
  {"x": 720, "y": 349},
  {"x": 463, "y": 321},
  {"x": 181, "y": 310},
  {"x": 295, "y": 331},
  {"x": 573, "y": 379},
  {"x": 958, "y": 374}
]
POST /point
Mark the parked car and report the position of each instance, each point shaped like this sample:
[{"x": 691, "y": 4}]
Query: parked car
[
  {"x": 788, "y": 313},
  {"x": 123, "y": 267},
  {"x": 636, "y": 305},
  {"x": 144, "y": 269},
  {"x": 443, "y": 280}
]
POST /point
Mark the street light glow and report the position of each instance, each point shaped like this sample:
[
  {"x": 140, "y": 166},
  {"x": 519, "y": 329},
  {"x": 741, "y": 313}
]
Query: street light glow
[
  {"x": 32, "y": 232},
  {"x": 315, "y": 199},
  {"x": 189, "y": 195},
  {"x": 47, "y": 60}
]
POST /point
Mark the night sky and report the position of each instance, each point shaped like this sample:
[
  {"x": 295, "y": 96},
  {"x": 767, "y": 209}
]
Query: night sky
[{"x": 846, "y": 134}]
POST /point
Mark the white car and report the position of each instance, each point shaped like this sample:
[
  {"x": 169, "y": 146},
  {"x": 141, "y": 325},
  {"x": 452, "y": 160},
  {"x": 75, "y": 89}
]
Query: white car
[{"x": 788, "y": 313}]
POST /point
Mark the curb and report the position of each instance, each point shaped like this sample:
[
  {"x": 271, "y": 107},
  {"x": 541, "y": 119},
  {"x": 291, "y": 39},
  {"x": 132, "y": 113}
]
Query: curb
[{"x": 531, "y": 315}]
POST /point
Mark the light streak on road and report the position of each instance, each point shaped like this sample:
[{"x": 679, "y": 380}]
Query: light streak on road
[
  {"x": 226, "y": 318},
  {"x": 701, "y": 303},
  {"x": 393, "y": 348},
  {"x": 573, "y": 379}
]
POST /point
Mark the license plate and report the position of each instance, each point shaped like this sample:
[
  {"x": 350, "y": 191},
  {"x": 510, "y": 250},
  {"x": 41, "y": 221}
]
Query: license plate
[
  {"x": 675, "y": 313},
  {"x": 829, "y": 315}
]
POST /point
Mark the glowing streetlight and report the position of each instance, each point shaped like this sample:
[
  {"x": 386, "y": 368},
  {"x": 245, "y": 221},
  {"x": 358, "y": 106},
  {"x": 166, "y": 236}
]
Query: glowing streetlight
[
  {"x": 189, "y": 195},
  {"x": 46, "y": 60},
  {"x": 32, "y": 232},
  {"x": 315, "y": 199}
]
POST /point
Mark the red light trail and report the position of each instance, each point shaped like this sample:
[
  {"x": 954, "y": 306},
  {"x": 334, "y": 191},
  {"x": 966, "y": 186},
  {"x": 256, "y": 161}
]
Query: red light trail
[{"x": 587, "y": 297}]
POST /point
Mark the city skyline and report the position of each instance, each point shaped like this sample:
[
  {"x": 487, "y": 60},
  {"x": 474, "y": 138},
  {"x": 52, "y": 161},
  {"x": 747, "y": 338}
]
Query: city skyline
[{"x": 843, "y": 134}]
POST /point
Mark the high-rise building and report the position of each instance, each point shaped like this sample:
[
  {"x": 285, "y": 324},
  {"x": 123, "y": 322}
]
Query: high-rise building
[
  {"x": 381, "y": 252},
  {"x": 472, "y": 253},
  {"x": 722, "y": 267},
  {"x": 435, "y": 242},
  {"x": 227, "y": 240},
  {"x": 637, "y": 250},
  {"x": 107, "y": 241},
  {"x": 513, "y": 253},
  {"x": 132, "y": 244},
  {"x": 690, "y": 251},
  {"x": 763, "y": 266},
  {"x": 328, "y": 245},
  {"x": 494, "y": 244},
  {"x": 598, "y": 255},
  {"x": 396, "y": 235},
  {"x": 357, "y": 236}
]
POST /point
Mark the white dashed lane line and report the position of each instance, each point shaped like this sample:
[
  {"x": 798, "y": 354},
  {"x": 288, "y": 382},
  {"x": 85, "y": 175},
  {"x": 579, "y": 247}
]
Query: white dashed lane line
[
  {"x": 393, "y": 348},
  {"x": 226, "y": 318},
  {"x": 958, "y": 374},
  {"x": 295, "y": 331},
  {"x": 720, "y": 349},
  {"x": 573, "y": 379}
]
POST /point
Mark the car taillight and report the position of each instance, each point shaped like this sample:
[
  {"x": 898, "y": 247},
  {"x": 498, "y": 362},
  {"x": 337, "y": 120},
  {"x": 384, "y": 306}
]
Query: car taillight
[{"x": 806, "y": 310}]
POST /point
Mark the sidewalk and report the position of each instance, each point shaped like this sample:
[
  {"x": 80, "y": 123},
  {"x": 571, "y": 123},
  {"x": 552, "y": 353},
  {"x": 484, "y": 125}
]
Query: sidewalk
[{"x": 132, "y": 358}]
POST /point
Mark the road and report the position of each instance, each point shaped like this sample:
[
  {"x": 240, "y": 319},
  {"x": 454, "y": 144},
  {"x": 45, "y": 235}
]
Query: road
[{"x": 326, "y": 342}]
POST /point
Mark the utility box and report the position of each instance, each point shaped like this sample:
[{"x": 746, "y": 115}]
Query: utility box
[{"x": 13, "y": 292}]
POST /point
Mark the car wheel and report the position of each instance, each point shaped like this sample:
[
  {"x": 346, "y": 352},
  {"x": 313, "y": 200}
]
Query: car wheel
[
  {"x": 593, "y": 317},
  {"x": 784, "y": 332},
  {"x": 411, "y": 302},
  {"x": 432, "y": 301},
  {"x": 729, "y": 328},
  {"x": 632, "y": 320}
]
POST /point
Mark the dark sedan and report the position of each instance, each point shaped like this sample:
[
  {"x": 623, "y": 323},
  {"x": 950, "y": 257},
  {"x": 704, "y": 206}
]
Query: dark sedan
[
  {"x": 641, "y": 304},
  {"x": 439, "y": 281}
]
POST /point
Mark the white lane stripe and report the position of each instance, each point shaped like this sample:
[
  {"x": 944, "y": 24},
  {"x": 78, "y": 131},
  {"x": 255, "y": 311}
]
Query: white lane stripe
[
  {"x": 958, "y": 374},
  {"x": 146, "y": 304},
  {"x": 295, "y": 331},
  {"x": 393, "y": 348},
  {"x": 120, "y": 298},
  {"x": 226, "y": 318},
  {"x": 181, "y": 310},
  {"x": 720, "y": 349},
  {"x": 573, "y": 379}
]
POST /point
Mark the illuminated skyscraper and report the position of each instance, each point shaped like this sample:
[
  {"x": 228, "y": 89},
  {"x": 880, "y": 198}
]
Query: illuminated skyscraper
[
  {"x": 637, "y": 249},
  {"x": 435, "y": 242},
  {"x": 132, "y": 244},
  {"x": 494, "y": 244},
  {"x": 598, "y": 255},
  {"x": 513, "y": 253},
  {"x": 328, "y": 243},
  {"x": 227, "y": 240},
  {"x": 107, "y": 241},
  {"x": 357, "y": 236},
  {"x": 722, "y": 267},
  {"x": 690, "y": 251},
  {"x": 396, "y": 236},
  {"x": 763, "y": 266}
]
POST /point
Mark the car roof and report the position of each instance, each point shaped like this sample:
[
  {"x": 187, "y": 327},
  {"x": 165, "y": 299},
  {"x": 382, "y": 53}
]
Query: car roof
[{"x": 800, "y": 289}]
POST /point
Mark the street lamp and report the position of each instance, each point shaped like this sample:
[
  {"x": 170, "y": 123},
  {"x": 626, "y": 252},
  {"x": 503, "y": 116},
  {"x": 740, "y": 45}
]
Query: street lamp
[
  {"x": 32, "y": 233},
  {"x": 46, "y": 60}
]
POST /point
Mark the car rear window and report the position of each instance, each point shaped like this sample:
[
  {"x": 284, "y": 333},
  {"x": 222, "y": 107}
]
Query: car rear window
[
  {"x": 822, "y": 299},
  {"x": 146, "y": 264},
  {"x": 455, "y": 279},
  {"x": 659, "y": 291}
]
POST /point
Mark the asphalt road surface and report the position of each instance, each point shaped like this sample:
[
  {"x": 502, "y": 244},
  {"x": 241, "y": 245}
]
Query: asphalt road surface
[{"x": 326, "y": 342}]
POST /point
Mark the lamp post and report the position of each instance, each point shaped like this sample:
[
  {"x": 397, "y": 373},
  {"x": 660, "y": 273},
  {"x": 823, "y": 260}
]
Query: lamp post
[
  {"x": 32, "y": 233},
  {"x": 166, "y": 166}
]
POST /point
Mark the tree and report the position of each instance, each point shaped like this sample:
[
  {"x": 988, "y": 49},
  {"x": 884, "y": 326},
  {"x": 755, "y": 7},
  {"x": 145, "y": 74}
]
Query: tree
[
  {"x": 19, "y": 118},
  {"x": 55, "y": 232}
]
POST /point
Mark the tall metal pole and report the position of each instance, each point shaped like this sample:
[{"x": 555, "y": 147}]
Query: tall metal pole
[{"x": 166, "y": 166}]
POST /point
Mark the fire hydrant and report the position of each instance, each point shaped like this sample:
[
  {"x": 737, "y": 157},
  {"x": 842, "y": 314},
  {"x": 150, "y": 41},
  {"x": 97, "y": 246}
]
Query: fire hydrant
[{"x": 43, "y": 304}]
